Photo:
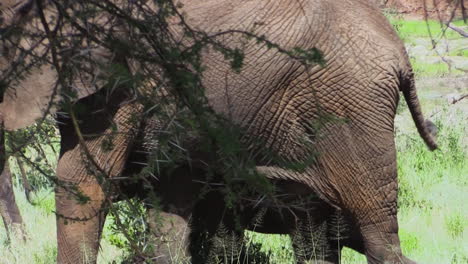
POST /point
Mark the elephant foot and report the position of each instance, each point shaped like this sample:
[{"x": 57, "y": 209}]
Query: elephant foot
[
  {"x": 381, "y": 247},
  {"x": 389, "y": 258},
  {"x": 170, "y": 237}
]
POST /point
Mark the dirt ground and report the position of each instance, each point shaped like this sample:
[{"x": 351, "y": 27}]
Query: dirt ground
[{"x": 419, "y": 9}]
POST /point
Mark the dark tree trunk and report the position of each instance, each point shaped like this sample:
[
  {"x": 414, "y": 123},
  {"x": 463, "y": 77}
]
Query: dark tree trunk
[{"x": 8, "y": 209}]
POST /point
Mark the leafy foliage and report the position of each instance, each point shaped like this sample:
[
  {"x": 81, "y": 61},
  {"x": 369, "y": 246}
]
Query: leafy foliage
[{"x": 34, "y": 153}]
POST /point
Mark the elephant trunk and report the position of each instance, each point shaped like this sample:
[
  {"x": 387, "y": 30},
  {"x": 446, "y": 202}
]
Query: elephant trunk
[{"x": 425, "y": 127}]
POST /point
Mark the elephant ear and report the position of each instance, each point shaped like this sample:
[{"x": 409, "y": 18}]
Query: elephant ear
[
  {"x": 37, "y": 95},
  {"x": 8, "y": 4},
  {"x": 26, "y": 101}
]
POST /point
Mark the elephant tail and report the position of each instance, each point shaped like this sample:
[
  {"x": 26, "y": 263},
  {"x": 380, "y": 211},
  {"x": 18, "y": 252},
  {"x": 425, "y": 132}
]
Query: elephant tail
[{"x": 426, "y": 128}]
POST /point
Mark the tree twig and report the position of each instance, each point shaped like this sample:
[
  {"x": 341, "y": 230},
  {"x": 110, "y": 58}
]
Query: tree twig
[
  {"x": 457, "y": 29},
  {"x": 456, "y": 100},
  {"x": 24, "y": 178}
]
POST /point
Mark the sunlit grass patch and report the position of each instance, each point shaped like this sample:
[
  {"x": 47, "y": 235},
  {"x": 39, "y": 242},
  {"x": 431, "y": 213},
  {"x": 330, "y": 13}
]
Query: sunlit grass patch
[
  {"x": 424, "y": 237},
  {"x": 349, "y": 256},
  {"x": 278, "y": 246},
  {"x": 433, "y": 190},
  {"x": 409, "y": 242},
  {"x": 455, "y": 224},
  {"x": 463, "y": 52},
  {"x": 436, "y": 69},
  {"x": 40, "y": 233},
  {"x": 424, "y": 29}
]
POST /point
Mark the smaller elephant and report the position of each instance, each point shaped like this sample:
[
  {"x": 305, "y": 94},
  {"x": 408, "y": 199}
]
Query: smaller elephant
[
  {"x": 192, "y": 211},
  {"x": 190, "y": 220},
  {"x": 311, "y": 230}
]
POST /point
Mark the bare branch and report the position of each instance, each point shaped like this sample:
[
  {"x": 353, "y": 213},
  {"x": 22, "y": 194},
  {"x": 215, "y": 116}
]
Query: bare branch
[
  {"x": 458, "y": 99},
  {"x": 457, "y": 29}
]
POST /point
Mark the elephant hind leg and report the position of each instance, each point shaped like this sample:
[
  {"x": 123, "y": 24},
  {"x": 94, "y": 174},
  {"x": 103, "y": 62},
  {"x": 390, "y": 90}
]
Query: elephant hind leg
[
  {"x": 383, "y": 247},
  {"x": 374, "y": 243},
  {"x": 362, "y": 171}
]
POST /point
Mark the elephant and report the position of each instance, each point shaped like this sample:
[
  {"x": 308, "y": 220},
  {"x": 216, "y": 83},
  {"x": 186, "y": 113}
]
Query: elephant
[
  {"x": 336, "y": 117},
  {"x": 366, "y": 68}
]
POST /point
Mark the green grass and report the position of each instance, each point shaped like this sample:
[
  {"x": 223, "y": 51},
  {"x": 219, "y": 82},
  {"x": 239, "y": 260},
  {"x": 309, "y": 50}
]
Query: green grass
[
  {"x": 433, "y": 192},
  {"x": 40, "y": 229},
  {"x": 463, "y": 52},
  {"x": 278, "y": 246},
  {"x": 422, "y": 35},
  {"x": 423, "y": 69},
  {"x": 424, "y": 29}
]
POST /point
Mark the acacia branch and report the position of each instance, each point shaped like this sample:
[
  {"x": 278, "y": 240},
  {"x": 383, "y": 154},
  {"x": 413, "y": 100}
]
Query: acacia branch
[
  {"x": 456, "y": 100},
  {"x": 457, "y": 29}
]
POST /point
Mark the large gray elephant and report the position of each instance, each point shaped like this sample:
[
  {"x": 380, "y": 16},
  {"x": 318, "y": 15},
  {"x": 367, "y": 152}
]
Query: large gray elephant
[
  {"x": 354, "y": 98},
  {"x": 337, "y": 118}
]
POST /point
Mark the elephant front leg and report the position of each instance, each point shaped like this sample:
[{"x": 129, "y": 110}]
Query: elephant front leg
[
  {"x": 80, "y": 218},
  {"x": 83, "y": 188},
  {"x": 81, "y": 204}
]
